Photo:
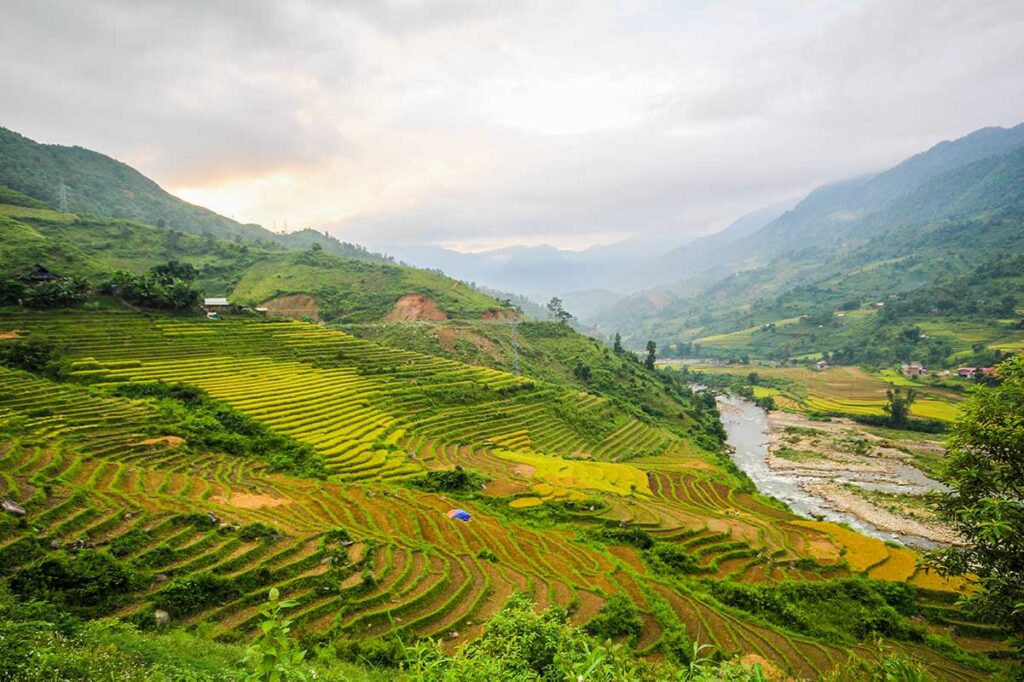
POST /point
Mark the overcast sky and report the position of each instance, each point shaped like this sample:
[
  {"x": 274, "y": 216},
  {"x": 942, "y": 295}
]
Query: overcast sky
[{"x": 473, "y": 124}]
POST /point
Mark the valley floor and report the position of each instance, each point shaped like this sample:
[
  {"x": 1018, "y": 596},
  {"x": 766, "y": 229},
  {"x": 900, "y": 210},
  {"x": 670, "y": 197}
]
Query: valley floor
[{"x": 856, "y": 471}]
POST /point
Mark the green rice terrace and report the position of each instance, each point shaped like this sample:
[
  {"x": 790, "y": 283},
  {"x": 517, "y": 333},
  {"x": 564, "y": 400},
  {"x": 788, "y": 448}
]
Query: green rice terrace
[{"x": 572, "y": 501}]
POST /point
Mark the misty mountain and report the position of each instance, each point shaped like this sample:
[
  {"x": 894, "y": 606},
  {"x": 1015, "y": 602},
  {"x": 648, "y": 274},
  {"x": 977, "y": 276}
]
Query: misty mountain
[
  {"x": 868, "y": 236},
  {"x": 536, "y": 271}
]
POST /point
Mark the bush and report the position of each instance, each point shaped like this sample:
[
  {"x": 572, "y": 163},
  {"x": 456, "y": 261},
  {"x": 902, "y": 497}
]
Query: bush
[
  {"x": 487, "y": 555},
  {"x": 523, "y": 639},
  {"x": 666, "y": 557},
  {"x": 911, "y": 424},
  {"x": 90, "y": 583},
  {"x": 839, "y": 611},
  {"x": 451, "y": 480},
  {"x": 618, "y": 617},
  {"x": 630, "y": 535},
  {"x": 190, "y": 594},
  {"x": 35, "y": 354},
  {"x": 126, "y": 544},
  {"x": 257, "y": 531}
]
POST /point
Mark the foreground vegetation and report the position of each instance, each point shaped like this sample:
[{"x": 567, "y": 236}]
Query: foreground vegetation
[{"x": 519, "y": 643}]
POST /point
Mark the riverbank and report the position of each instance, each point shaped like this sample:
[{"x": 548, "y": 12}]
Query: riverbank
[
  {"x": 840, "y": 471},
  {"x": 856, "y": 471}
]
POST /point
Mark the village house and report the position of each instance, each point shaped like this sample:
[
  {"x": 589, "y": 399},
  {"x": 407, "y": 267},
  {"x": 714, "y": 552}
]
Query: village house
[
  {"x": 216, "y": 305},
  {"x": 972, "y": 372},
  {"x": 822, "y": 365},
  {"x": 912, "y": 370}
]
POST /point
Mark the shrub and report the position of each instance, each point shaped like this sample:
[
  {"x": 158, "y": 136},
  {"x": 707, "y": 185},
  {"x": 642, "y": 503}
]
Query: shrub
[
  {"x": 257, "y": 531},
  {"x": 190, "y": 594},
  {"x": 451, "y": 480},
  {"x": 487, "y": 555},
  {"x": 666, "y": 557},
  {"x": 90, "y": 583},
  {"x": 618, "y": 617},
  {"x": 35, "y": 354},
  {"x": 128, "y": 543},
  {"x": 630, "y": 535},
  {"x": 212, "y": 425}
]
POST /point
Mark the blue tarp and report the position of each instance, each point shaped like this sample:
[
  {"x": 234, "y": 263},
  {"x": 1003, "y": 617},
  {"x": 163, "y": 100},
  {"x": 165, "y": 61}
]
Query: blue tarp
[{"x": 460, "y": 514}]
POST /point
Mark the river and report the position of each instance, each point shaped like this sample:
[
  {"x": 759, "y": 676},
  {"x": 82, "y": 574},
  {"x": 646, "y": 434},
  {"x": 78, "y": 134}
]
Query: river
[{"x": 747, "y": 429}]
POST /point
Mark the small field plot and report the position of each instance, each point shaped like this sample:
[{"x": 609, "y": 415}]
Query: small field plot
[
  {"x": 849, "y": 390},
  {"x": 621, "y": 479}
]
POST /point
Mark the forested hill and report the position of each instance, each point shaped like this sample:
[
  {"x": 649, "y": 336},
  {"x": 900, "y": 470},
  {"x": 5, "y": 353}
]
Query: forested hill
[
  {"x": 296, "y": 283},
  {"x": 938, "y": 216},
  {"x": 96, "y": 184}
]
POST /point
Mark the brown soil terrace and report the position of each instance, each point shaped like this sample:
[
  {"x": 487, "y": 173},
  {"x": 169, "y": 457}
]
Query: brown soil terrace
[
  {"x": 250, "y": 500},
  {"x": 294, "y": 306},
  {"x": 413, "y": 307},
  {"x": 160, "y": 440}
]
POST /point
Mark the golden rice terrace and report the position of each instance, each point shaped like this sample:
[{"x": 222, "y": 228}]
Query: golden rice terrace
[{"x": 366, "y": 553}]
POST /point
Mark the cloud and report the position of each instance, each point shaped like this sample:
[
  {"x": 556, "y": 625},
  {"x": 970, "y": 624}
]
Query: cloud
[{"x": 473, "y": 123}]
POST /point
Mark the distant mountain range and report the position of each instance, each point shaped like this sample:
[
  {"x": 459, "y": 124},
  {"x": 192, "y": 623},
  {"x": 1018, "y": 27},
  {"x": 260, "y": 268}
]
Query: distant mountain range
[
  {"x": 938, "y": 215},
  {"x": 587, "y": 279}
]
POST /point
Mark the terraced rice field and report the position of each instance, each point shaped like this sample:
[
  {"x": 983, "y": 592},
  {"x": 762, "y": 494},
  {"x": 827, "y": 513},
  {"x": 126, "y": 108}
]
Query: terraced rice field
[
  {"x": 96, "y": 469},
  {"x": 848, "y": 390}
]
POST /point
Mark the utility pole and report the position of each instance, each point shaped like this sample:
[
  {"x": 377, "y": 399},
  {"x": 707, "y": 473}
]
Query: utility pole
[{"x": 62, "y": 196}]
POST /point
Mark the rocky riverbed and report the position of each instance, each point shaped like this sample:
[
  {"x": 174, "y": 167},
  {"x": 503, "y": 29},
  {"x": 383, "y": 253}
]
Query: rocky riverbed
[{"x": 839, "y": 471}]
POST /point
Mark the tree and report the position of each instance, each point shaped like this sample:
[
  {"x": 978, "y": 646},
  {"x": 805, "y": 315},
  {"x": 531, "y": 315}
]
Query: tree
[
  {"x": 985, "y": 466},
  {"x": 10, "y": 291},
  {"x": 34, "y": 354},
  {"x": 558, "y": 313},
  {"x": 56, "y": 293},
  {"x": 582, "y": 371},
  {"x": 898, "y": 407},
  {"x": 173, "y": 269},
  {"x": 617, "y": 345},
  {"x": 154, "y": 289},
  {"x": 652, "y": 351}
]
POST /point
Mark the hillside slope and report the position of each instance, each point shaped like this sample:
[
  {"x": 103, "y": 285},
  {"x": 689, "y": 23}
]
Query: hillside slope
[
  {"x": 96, "y": 184},
  {"x": 555, "y": 353},
  {"x": 338, "y": 288},
  {"x": 935, "y": 216}
]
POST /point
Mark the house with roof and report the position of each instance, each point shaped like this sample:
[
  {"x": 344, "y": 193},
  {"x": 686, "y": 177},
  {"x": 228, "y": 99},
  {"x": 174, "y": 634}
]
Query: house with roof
[
  {"x": 215, "y": 305},
  {"x": 913, "y": 370}
]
